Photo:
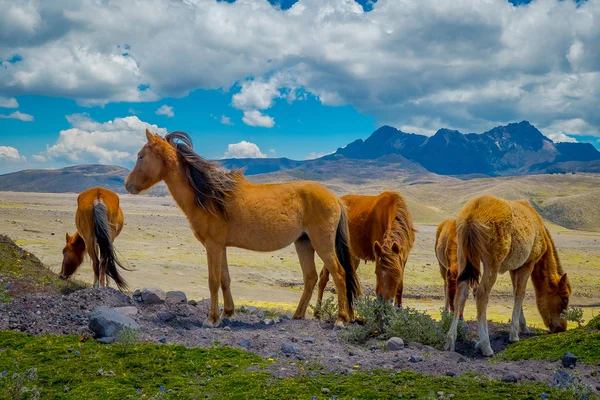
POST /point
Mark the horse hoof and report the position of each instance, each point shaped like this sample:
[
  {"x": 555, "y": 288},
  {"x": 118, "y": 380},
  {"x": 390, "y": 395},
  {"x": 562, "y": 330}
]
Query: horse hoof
[
  {"x": 227, "y": 314},
  {"x": 487, "y": 352},
  {"x": 449, "y": 345},
  {"x": 209, "y": 324}
]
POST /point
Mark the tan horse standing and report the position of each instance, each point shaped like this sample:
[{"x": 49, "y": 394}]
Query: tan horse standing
[
  {"x": 381, "y": 230},
  {"x": 225, "y": 210},
  {"x": 99, "y": 220},
  {"x": 508, "y": 236},
  {"x": 445, "y": 252}
]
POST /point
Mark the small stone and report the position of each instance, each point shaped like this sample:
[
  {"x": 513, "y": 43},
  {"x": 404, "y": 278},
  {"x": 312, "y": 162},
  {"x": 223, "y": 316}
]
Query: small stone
[
  {"x": 337, "y": 359},
  {"x": 246, "y": 343},
  {"x": 193, "y": 303},
  {"x": 107, "y": 340},
  {"x": 163, "y": 340},
  {"x": 562, "y": 378},
  {"x": 462, "y": 360},
  {"x": 77, "y": 352},
  {"x": 300, "y": 357},
  {"x": 165, "y": 316},
  {"x": 510, "y": 378},
  {"x": 226, "y": 328},
  {"x": 569, "y": 360},
  {"x": 325, "y": 390},
  {"x": 309, "y": 340},
  {"x": 260, "y": 314},
  {"x": 289, "y": 348},
  {"x": 373, "y": 347},
  {"x": 175, "y": 296},
  {"x": 153, "y": 295},
  {"x": 415, "y": 359},
  {"x": 450, "y": 373},
  {"x": 400, "y": 396},
  {"x": 267, "y": 321},
  {"x": 440, "y": 394},
  {"x": 394, "y": 344},
  {"x": 598, "y": 388}
]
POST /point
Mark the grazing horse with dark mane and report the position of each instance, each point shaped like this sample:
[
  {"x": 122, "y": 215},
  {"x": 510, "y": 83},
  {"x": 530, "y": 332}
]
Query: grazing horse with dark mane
[
  {"x": 507, "y": 236},
  {"x": 381, "y": 230},
  {"x": 445, "y": 252},
  {"x": 225, "y": 210},
  {"x": 99, "y": 220}
]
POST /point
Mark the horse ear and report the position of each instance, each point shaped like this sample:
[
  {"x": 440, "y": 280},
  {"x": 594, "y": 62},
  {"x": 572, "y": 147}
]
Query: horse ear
[
  {"x": 67, "y": 237},
  {"x": 377, "y": 249},
  {"x": 149, "y": 136},
  {"x": 396, "y": 248},
  {"x": 563, "y": 283}
]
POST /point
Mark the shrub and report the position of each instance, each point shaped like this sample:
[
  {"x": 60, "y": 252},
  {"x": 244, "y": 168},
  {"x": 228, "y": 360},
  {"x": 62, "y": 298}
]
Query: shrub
[
  {"x": 574, "y": 314},
  {"x": 4, "y": 291},
  {"x": 446, "y": 321},
  {"x": 16, "y": 387},
  {"x": 128, "y": 338},
  {"x": 327, "y": 311}
]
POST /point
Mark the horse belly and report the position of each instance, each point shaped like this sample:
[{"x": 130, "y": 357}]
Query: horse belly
[
  {"x": 264, "y": 236},
  {"x": 519, "y": 254}
]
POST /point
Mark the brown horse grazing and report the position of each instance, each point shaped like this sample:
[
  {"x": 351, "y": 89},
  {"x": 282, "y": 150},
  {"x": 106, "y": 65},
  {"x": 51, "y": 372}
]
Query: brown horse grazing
[
  {"x": 508, "y": 236},
  {"x": 381, "y": 230},
  {"x": 225, "y": 210},
  {"x": 445, "y": 251},
  {"x": 99, "y": 220}
]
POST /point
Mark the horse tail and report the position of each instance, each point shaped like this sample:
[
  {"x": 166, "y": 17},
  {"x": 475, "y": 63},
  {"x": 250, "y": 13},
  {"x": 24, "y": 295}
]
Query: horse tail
[
  {"x": 342, "y": 251},
  {"x": 104, "y": 241},
  {"x": 471, "y": 237}
]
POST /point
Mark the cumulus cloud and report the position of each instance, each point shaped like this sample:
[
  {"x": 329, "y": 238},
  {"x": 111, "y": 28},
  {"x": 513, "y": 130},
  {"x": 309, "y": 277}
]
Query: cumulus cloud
[
  {"x": 165, "y": 110},
  {"x": 10, "y": 154},
  {"x": 8, "y": 102},
  {"x": 243, "y": 149},
  {"x": 256, "y": 118},
  {"x": 467, "y": 64},
  {"x": 88, "y": 141},
  {"x": 225, "y": 120},
  {"x": 18, "y": 115}
]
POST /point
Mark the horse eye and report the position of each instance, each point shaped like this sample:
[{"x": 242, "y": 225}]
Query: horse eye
[{"x": 140, "y": 156}]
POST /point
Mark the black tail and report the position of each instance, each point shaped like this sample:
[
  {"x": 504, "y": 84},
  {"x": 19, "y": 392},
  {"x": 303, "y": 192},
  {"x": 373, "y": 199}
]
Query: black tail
[
  {"x": 103, "y": 239},
  {"x": 342, "y": 250}
]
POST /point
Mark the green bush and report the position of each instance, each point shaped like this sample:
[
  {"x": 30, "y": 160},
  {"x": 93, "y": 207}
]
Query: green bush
[
  {"x": 16, "y": 387},
  {"x": 327, "y": 311},
  {"x": 574, "y": 314},
  {"x": 128, "y": 338}
]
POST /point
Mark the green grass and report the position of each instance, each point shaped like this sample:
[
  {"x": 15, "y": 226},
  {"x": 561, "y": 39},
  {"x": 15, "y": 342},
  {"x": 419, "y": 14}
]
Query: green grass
[
  {"x": 583, "y": 342},
  {"x": 71, "y": 368}
]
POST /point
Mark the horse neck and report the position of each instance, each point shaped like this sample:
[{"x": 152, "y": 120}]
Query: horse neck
[
  {"x": 547, "y": 271},
  {"x": 177, "y": 183}
]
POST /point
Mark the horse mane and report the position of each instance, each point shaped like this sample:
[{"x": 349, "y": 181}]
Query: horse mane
[
  {"x": 211, "y": 185},
  {"x": 401, "y": 230}
]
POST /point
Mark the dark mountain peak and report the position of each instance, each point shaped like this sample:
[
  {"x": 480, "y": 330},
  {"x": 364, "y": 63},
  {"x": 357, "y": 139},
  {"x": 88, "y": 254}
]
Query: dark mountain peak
[
  {"x": 447, "y": 136},
  {"x": 577, "y": 152},
  {"x": 383, "y": 134},
  {"x": 521, "y": 133}
]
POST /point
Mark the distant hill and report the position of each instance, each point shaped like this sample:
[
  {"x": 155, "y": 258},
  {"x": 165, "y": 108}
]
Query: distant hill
[{"x": 514, "y": 149}]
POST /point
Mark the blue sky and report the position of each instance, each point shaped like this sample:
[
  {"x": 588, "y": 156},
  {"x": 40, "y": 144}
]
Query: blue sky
[{"x": 81, "y": 80}]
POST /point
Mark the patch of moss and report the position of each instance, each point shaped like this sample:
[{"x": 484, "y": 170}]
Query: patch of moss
[
  {"x": 584, "y": 342},
  {"x": 69, "y": 367}
]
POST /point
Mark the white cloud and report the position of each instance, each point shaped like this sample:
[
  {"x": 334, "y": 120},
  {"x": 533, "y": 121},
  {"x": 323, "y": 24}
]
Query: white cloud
[
  {"x": 18, "y": 115},
  {"x": 256, "y": 118},
  {"x": 558, "y": 130},
  {"x": 39, "y": 158},
  {"x": 225, "y": 120},
  {"x": 165, "y": 110},
  {"x": 313, "y": 154},
  {"x": 465, "y": 63},
  {"x": 8, "y": 102},
  {"x": 243, "y": 149},
  {"x": 273, "y": 152},
  {"x": 111, "y": 142},
  {"x": 10, "y": 154}
]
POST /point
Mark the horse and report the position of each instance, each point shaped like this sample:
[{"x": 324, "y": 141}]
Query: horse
[
  {"x": 445, "y": 252},
  {"x": 99, "y": 220},
  {"x": 226, "y": 210},
  {"x": 381, "y": 230},
  {"x": 507, "y": 236}
]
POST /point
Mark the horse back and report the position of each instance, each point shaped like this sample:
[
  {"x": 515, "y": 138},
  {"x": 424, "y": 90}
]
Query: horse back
[{"x": 84, "y": 218}]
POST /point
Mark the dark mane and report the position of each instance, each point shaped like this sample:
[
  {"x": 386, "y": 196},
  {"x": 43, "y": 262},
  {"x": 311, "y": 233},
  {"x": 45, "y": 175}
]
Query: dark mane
[
  {"x": 211, "y": 185},
  {"x": 400, "y": 230}
]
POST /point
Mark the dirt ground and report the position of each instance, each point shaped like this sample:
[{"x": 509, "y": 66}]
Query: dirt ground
[{"x": 157, "y": 243}]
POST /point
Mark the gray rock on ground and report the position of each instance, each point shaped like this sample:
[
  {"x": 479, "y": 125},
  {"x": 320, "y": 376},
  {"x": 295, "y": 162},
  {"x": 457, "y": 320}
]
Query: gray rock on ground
[
  {"x": 108, "y": 322},
  {"x": 394, "y": 344},
  {"x": 176, "y": 296},
  {"x": 153, "y": 295},
  {"x": 129, "y": 311}
]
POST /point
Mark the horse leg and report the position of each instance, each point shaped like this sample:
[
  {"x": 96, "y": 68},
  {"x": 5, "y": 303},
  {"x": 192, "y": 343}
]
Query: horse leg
[
  {"x": 339, "y": 278},
  {"x": 444, "y": 273},
  {"x": 323, "y": 280},
  {"x": 462, "y": 292},
  {"x": 483, "y": 296},
  {"x": 306, "y": 255},
  {"x": 96, "y": 267},
  {"x": 228, "y": 306},
  {"x": 214, "y": 255},
  {"x": 519, "y": 279},
  {"x": 399, "y": 292}
]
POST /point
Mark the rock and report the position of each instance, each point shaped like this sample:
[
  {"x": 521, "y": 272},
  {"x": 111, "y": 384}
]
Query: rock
[
  {"x": 462, "y": 359},
  {"x": 440, "y": 394},
  {"x": 309, "y": 340},
  {"x": 175, "y": 296},
  {"x": 163, "y": 340},
  {"x": 267, "y": 322},
  {"x": 569, "y": 360},
  {"x": 415, "y": 345},
  {"x": 246, "y": 343},
  {"x": 337, "y": 359},
  {"x": 106, "y": 322},
  {"x": 598, "y": 388},
  {"x": 325, "y": 390},
  {"x": 165, "y": 316},
  {"x": 415, "y": 359},
  {"x": 107, "y": 340},
  {"x": 394, "y": 344},
  {"x": 562, "y": 378},
  {"x": 226, "y": 328},
  {"x": 260, "y": 314},
  {"x": 450, "y": 373},
  {"x": 510, "y": 378},
  {"x": 300, "y": 357},
  {"x": 77, "y": 352},
  {"x": 153, "y": 295},
  {"x": 130, "y": 311},
  {"x": 289, "y": 348},
  {"x": 251, "y": 309},
  {"x": 373, "y": 347},
  {"x": 193, "y": 303}
]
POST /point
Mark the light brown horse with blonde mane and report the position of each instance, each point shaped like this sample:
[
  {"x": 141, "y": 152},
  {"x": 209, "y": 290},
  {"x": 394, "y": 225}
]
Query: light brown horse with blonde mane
[
  {"x": 381, "y": 230},
  {"x": 445, "y": 252},
  {"x": 99, "y": 220},
  {"x": 507, "y": 236},
  {"x": 225, "y": 210}
]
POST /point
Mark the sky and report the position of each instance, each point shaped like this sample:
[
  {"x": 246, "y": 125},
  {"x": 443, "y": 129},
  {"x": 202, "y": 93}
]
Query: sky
[{"x": 81, "y": 80}]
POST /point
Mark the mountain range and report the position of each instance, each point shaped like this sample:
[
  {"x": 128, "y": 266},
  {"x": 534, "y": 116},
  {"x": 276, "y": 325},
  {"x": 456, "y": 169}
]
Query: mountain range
[{"x": 513, "y": 149}]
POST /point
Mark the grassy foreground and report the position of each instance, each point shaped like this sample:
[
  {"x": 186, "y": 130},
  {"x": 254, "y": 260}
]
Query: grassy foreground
[
  {"x": 70, "y": 367},
  {"x": 583, "y": 342}
]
